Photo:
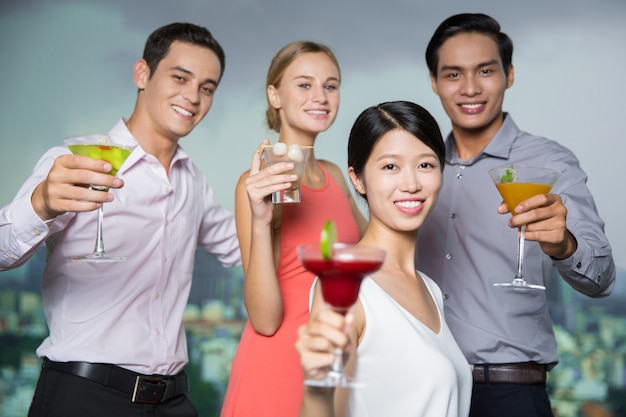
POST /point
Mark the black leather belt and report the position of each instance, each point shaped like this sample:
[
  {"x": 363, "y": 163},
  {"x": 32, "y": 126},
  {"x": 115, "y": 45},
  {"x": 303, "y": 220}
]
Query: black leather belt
[
  {"x": 143, "y": 389},
  {"x": 511, "y": 373}
]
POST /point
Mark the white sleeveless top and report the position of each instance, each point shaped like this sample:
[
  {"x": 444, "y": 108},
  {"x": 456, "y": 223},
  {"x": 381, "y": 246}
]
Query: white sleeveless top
[{"x": 407, "y": 370}]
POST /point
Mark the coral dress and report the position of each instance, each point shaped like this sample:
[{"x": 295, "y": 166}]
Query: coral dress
[{"x": 266, "y": 378}]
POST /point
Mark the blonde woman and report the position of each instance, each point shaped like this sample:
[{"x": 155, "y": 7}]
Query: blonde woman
[{"x": 303, "y": 99}]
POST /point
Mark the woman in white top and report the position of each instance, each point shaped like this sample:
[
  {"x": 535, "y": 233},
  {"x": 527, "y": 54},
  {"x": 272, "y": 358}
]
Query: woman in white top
[{"x": 400, "y": 347}]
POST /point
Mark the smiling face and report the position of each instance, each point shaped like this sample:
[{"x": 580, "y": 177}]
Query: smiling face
[
  {"x": 470, "y": 83},
  {"x": 177, "y": 96},
  {"x": 307, "y": 97},
  {"x": 401, "y": 180}
]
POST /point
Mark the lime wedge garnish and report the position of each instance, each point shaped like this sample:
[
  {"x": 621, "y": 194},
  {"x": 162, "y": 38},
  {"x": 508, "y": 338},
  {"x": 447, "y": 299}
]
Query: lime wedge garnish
[{"x": 328, "y": 237}]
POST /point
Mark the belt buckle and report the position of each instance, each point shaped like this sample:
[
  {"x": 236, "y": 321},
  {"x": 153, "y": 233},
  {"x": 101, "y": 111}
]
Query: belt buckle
[{"x": 139, "y": 382}]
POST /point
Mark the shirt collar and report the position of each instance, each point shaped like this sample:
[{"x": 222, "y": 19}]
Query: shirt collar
[
  {"x": 125, "y": 137},
  {"x": 499, "y": 147}
]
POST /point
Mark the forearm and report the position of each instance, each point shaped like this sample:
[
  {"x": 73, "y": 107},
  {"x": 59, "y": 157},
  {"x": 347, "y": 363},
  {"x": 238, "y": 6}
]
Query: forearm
[
  {"x": 317, "y": 402},
  {"x": 591, "y": 268},
  {"x": 262, "y": 295}
]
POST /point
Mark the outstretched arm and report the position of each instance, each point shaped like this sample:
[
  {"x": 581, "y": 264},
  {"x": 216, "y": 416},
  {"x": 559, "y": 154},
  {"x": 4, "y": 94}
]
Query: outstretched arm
[{"x": 58, "y": 185}]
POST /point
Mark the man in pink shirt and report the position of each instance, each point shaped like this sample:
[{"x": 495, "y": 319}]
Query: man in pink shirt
[{"x": 117, "y": 344}]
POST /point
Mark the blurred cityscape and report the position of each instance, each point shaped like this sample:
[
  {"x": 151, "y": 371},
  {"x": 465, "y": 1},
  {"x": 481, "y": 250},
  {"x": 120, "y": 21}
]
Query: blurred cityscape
[{"x": 590, "y": 380}]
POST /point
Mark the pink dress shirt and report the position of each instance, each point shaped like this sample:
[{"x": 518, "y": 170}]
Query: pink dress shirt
[{"x": 127, "y": 313}]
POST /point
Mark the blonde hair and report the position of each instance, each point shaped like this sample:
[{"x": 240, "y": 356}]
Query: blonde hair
[{"x": 279, "y": 65}]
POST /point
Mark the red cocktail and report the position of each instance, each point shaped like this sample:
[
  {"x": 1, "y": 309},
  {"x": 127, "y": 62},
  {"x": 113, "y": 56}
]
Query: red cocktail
[{"x": 341, "y": 276}]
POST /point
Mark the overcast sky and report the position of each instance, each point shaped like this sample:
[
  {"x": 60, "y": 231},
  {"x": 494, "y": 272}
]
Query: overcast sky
[{"x": 67, "y": 69}]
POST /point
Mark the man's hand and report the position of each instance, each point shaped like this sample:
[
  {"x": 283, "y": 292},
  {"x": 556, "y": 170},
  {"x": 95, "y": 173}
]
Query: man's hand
[
  {"x": 545, "y": 218},
  {"x": 66, "y": 188}
]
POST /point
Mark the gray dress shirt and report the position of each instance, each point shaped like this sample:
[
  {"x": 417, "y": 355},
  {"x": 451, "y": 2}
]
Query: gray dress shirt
[{"x": 466, "y": 246}]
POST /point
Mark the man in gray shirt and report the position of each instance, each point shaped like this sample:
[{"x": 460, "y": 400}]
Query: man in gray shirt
[{"x": 470, "y": 242}]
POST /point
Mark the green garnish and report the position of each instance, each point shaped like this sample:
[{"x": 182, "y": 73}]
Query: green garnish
[
  {"x": 508, "y": 176},
  {"x": 328, "y": 237}
]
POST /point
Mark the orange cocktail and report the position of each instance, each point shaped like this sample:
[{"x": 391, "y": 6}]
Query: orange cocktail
[
  {"x": 514, "y": 193},
  {"x": 518, "y": 183}
]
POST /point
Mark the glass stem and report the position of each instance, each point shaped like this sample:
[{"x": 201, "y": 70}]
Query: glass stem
[
  {"x": 520, "y": 252},
  {"x": 99, "y": 249},
  {"x": 336, "y": 368}
]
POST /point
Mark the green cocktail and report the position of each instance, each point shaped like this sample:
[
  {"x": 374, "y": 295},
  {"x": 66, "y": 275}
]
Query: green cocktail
[
  {"x": 100, "y": 147},
  {"x": 114, "y": 155}
]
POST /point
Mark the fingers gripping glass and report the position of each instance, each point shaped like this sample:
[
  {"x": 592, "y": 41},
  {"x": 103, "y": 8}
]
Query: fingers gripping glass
[{"x": 280, "y": 152}]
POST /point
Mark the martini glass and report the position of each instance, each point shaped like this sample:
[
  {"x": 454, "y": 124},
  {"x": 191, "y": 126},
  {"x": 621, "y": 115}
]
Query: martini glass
[
  {"x": 100, "y": 147},
  {"x": 517, "y": 183},
  {"x": 340, "y": 278}
]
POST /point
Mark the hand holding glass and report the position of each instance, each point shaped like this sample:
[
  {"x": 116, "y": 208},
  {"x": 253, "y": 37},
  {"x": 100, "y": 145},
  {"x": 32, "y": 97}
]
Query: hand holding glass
[
  {"x": 340, "y": 278},
  {"x": 99, "y": 147},
  {"x": 273, "y": 154},
  {"x": 516, "y": 184}
]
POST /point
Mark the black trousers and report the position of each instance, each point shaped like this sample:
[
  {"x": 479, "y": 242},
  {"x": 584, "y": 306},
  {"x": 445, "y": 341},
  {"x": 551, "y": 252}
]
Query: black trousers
[
  {"x": 510, "y": 400},
  {"x": 64, "y": 395}
]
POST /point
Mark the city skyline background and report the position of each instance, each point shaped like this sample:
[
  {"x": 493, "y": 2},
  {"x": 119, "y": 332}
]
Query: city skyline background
[{"x": 67, "y": 69}]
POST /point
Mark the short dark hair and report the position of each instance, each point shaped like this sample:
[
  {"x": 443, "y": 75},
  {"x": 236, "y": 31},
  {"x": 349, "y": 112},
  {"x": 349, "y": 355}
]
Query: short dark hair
[
  {"x": 469, "y": 23},
  {"x": 376, "y": 121},
  {"x": 159, "y": 42}
]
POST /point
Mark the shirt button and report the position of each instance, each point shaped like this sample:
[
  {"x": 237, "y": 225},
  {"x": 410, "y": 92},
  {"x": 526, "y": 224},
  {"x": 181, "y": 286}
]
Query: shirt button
[
  {"x": 453, "y": 216},
  {"x": 446, "y": 296},
  {"x": 599, "y": 278},
  {"x": 579, "y": 264},
  {"x": 459, "y": 175},
  {"x": 164, "y": 259},
  {"x": 36, "y": 232},
  {"x": 167, "y": 190},
  {"x": 12, "y": 256},
  {"x": 158, "y": 332},
  {"x": 448, "y": 256}
]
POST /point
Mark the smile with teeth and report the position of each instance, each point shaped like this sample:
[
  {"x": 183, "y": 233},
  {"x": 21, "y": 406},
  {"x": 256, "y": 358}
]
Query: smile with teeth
[
  {"x": 182, "y": 111},
  {"x": 317, "y": 111},
  {"x": 471, "y": 106},
  {"x": 408, "y": 204}
]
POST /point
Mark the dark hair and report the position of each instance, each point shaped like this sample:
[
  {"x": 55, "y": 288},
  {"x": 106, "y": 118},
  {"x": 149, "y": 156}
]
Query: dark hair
[
  {"x": 469, "y": 23},
  {"x": 159, "y": 42},
  {"x": 376, "y": 121},
  {"x": 279, "y": 65}
]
